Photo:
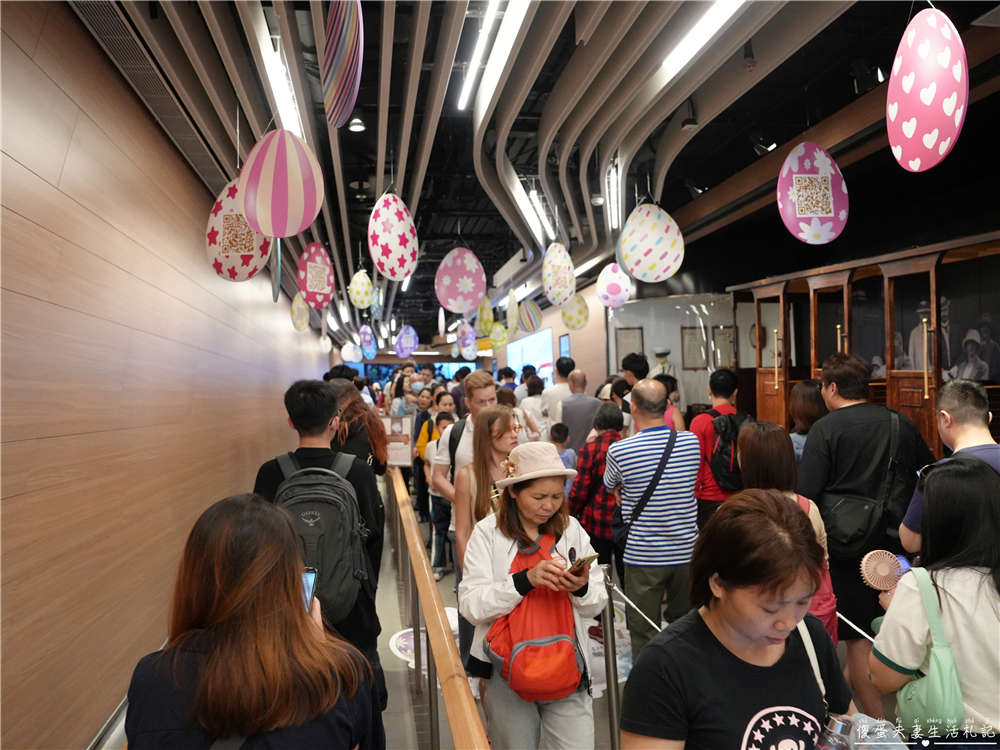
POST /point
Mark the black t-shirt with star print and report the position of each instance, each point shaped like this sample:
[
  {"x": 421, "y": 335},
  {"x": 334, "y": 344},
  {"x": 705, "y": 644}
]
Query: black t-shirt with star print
[{"x": 685, "y": 685}]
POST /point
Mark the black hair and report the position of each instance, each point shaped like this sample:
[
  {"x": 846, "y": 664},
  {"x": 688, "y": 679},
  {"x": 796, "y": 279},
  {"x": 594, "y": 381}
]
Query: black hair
[
  {"x": 850, "y": 373},
  {"x": 620, "y": 388},
  {"x": 360, "y": 383},
  {"x": 609, "y": 417},
  {"x": 526, "y": 372},
  {"x": 444, "y": 416},
  {"x": 310, "y": 404},
  {"x": 723, "y": 383},
  {"x": 669, "y": 382},
  {"x": 535, "y": 385},
  {"x": 559, "y": 432},
  {"x": 462, "y": 373},
  {"x": 441, "y": 395},
  {"x": 341, "y": 371},
  {"x": 427, "y": 366},
  {"x": 564, "y": 366},
  {"x": 637, "y": 364},
  {"x": 506, "y": 372},
  {"x": 966, "y": 401}
]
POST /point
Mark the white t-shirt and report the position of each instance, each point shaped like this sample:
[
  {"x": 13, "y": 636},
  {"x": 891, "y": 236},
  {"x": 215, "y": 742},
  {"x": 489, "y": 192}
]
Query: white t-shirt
[
  {"x": 971, "y": 619},
  {"x": 430, "y": 450},
  {"x": 550, "y": 397},
  {"x": 463, "y": 454}
]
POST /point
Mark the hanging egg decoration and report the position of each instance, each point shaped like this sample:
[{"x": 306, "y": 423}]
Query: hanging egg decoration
[
  {"x": 466, "y": 335},
  {"x": 512, "y": 316},
  {"x": 460, "y": 281},
  {"x": 375, "y": 308},
  {"x": 392, "y": 238},
  {"x": 281, "y": 184},
  {"x": 350, "y": 353},
  {"x": 530, "y": 315},
  {"x": 369, "y": 347},
  {"x": 315, "y": 274},
  {"x": 234, "y": 249},
  {"x": 345, "y": 41},
  {"x": 498, "y": 335},
  {"x": 470, "y": 352},
  {"x": 812, "y": 195},
  {"x": 576, "y": 313},
  {"x": 928, "y": 92},
  {"x": 651, "y": 244},
  {"x": 359, "y": 291},
  {"x": 484, "y": 317},
  {"x": 407, "y": 341},
  {"x": 614, "y": 286},
  {"x": 441, "y": 321},
  {"x": 300, "y": 313},
  {"x": 558, "y": 281},
  {"x": 454, "y": 351},
  {"x": 325, "y": 344}
]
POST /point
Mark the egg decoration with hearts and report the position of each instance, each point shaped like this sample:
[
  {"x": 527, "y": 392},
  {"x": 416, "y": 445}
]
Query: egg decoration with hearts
[
  {"x": 576, "y": 314},
  {"x": 498, "y": 335},
  {"x": 369, "y": 347},
  {"x": 812, "y": 195},
  {"x": 614, "y": 286},
  {"x": 235, "y": 250},
  {"x": 512, "y": 314},
  {"x": 466, "y": 335},
  {"x": 315, "y": 276},
  {"x": 928, "y": 92},
  {"x": 530, "y": 315},
  {"x": 460, "y": 281},
  {"x": 484, "y": 317},
  {"x": 282, "y": 185},
  {"x": 407, "y": 341},
  {"x": 392, "y": 238},
  {"x": 359, "y": 291},
  {"x": 300, "y": 313},
  {"x": 558, "y": 281},
  {"x": 651, "y": 244}
]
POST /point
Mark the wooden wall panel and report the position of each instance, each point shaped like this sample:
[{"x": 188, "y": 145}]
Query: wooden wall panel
[{"x": 138, "y": 388}]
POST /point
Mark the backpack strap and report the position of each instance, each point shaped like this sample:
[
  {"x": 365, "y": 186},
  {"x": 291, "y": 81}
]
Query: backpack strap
[
  {"x": 288, "y": 464},
  {"x": 343, "y": 464},
  {"x": 229, "y": 743},
  {"x": 931, "y": 607},
  {"x": 714, "y": 412},
  {"x": 453, "y": 440},
  {"x": 807, "y": 641},
  {"x": 651, "y": 487},
  {"x": 883, "y": 497}
]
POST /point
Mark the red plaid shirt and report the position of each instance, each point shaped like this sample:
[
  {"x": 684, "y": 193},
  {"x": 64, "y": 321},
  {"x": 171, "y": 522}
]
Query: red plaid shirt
[{"x": 589, "y": 501}]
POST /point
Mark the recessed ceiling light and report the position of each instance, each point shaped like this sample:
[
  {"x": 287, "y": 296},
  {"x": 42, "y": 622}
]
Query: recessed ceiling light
[{"x": 356, "y": 125}]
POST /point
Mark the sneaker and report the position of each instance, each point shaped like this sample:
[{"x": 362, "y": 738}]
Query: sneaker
[
  {"x": 438, "y": 574},
  {"x": 596, "y": 632},
  {"x": 474, "y": 685}
]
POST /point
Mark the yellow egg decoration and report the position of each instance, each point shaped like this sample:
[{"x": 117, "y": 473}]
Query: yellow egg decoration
[
  {"x": 576, "y": 314},
  {"x": 498, "y": 336},
  {"x": 359, "y": 291},
  {"x": 300, "y": 313}
]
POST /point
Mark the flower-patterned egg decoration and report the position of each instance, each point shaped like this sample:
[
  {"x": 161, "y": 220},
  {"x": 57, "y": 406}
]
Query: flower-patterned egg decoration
[
  {"x": 651, "y": 244},
  {"x": 484, "y": 317},
  {"x": 928, "y": 92},
  {"x": 530, "y": 315},
  {"x": 369, "y": 347},
  {"x": 512, "y": 316},
  {"x": 315, "y": 275},
  {"x": 576, "y": 314},
  {"x": 470, "y": 352},
  {"x": 498, "y": 335},
  {"x": 812, "y": 195},
  {"x": 300, "y": 313},
  {"x": 234, "y": 249},
  {"x": 407, "y": 341},
  {"x": 460, "y": 281},
  {"x": 359, "y": 291},
  {"x": 614, "y": 286},
  {"x": 466, "y": 335},
  {"x": 558, "y": 281},
  {"x": 392, "y": 238},
  {"x": 350, "y": 353}
]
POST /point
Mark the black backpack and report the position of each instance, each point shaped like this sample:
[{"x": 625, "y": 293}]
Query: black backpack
[
  {"x": 453, "y": 440},
  {"x": 325, "y": 511},
  {"x": 723, "y": 464}
]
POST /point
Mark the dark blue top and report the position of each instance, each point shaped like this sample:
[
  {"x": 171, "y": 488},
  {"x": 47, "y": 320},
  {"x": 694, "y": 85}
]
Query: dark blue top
[{"x": 988, "y": 453}]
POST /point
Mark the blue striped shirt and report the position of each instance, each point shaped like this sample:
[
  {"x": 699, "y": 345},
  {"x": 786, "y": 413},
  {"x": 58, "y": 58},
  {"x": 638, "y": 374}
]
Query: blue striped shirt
[{"x": 667, "y": 528}]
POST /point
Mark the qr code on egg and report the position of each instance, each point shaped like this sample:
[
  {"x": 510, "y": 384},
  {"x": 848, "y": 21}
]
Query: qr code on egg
[
  {"x": 316, "y": 280},
  {"x": 237, "y": 235},
  {"x": 813, "y": 195}
]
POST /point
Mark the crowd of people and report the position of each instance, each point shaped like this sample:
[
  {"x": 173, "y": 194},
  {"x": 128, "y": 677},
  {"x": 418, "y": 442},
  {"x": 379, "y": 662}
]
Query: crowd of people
[{"x": 737, "y": 545}]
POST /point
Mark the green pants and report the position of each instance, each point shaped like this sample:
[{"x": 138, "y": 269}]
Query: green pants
[{"x": 645, "y": 587}]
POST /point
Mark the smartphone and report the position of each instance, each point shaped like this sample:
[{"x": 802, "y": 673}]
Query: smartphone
[
  {"x": 582, "y": 563},
  {"x": 308, "y": 586},
  {"x": 903, "y": 562}
]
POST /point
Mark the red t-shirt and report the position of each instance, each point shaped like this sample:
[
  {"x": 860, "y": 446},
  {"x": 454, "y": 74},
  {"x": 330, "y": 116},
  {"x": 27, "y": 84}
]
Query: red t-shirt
[{"x": 706, "y": 488}]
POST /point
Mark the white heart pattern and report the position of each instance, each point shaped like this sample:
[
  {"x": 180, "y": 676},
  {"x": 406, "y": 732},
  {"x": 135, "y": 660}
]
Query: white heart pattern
[
  {"x": 892, "y": 109},
  {"x": 924, "y": 48},
  {"x": 932, "y": 20},
  {"x": 897, "y": 151},
  {"x": 931, "y": 138},
  {"x": 896, "y": 63},
  {"x": 908, "y": 82},
  {"x": 909, "y": 127},
  {"x": 945, "y": 31},
  {"x": 944, "y": 58},
  {"x": 956, "y": 70},
  {"x": 909, "y": 37},
  {"x": 915, "y": 164},
  {"x": 927, "y": 94},
  {"x": 943, "y": 146},
  {"x": 958, "y": 116},
  {"x": 949, "y": 104}
]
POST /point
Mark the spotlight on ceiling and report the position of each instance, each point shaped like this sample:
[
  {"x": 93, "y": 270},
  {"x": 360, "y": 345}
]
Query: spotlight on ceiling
[
  {"x": 693, "y": 188},
  {"x": 356, "y": 125},
  {"x": 760, "y": 145},
  {"x": 865, "y": 76},
  {"x": 691, "y": 121},
  {"x": 597, "y": 200}
]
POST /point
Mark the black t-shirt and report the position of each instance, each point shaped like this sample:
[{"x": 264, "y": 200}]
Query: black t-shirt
[
  {"x": 686, "y": 685},
  {"x": 159, "y": 713},
  {"x": 361, "y": 627}
]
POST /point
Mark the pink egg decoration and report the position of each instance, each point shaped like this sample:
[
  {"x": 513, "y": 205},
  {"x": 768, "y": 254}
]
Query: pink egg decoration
[
  {"x": 466, "y": 335},
  {"x": 392, "y": 238},
  {"x": 315, "y": 276},
  {"x": 407, "y": 341},
  {"x": 281, "y": 184},
  {"x": 812, "y": 195},
  {"x": 234, "y": 249},
  {"x": 345, "y": 41},
  {"x": 614, "y": 286},
  {"x": 651, "y": 244},
  {"x": 460, "y": 281},
  {"x": 928, "y": 92}
]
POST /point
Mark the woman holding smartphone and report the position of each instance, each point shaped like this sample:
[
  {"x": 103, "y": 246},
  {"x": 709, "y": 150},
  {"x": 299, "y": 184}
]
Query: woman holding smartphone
[{"x": 245, "y": 659}]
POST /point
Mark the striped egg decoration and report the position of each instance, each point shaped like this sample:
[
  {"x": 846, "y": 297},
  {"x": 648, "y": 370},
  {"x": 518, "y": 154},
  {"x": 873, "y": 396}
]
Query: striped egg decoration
[
  {"x": 345, "y": 42},
  {"x": 651, "y": 244},
  {"x": 530, "y": 315},
  {"x": 281, "y": 184}
]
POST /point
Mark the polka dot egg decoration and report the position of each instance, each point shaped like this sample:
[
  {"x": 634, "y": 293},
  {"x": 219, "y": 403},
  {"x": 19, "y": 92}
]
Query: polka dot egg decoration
[
  {"x": 928, "y": 92},
  {"x": 392, "y": 238},
  {"x": 460, "y": 281},
  {"x": 466, "y": 335},
  {"x": 470, "y": 352},
  {"x": 315, "y": 275},
  {"x": 359, "y": 291},
  {"x": 530, "y": 315},
  {"x": 407, "y": 341},
  {"x": 369, "y": 347},
  {"x": 558, "y": 282},
  {"x": 652, "y": 247},
  {"x": 300, "y": 313},
  {"x": 812, "y": 195},
  {"x": 614, "y": 286},
  {"x": 576, "y": 314},
  {"x": 498, "y": 335},
  {"x": 350, "y": 353},
  {"x": 235, "y": 250}
]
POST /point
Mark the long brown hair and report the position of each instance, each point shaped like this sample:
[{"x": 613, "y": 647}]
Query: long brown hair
[
  {"x": 355, "y": 413},
  {"x": 509, "y": 520},
  {"x": 767, "y": 457},
  {"x": 806, "y": 405},
  {"x": 487, "y": 422},
  {"x": 240, "y": 583}
]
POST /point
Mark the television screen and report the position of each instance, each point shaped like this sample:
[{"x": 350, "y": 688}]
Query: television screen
[{"x": 536, "y": 350}]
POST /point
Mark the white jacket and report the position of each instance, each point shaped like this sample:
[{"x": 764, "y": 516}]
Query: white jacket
[{"x": 487, "y": 589}]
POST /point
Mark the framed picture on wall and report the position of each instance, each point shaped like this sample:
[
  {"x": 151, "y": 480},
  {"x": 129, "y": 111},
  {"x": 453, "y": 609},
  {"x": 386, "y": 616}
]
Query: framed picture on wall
[
  {"x": 564, "y": 345},
  {"x": 627, "y": 340},
  {"x": 694, "y": 348},
  {"x": 723, "y": 347}
]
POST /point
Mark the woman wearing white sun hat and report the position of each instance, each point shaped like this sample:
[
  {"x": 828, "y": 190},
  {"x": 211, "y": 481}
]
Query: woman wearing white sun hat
[{"x": 516, "y": 558}]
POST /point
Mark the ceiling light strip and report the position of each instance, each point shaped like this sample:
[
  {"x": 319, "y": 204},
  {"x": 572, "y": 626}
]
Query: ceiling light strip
[{"x": 472, "y": 72}]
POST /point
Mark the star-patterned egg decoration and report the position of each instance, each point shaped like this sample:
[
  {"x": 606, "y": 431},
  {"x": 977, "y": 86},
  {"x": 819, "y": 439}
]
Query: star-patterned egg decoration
[
  {"x": 281, "y": 184},
  {"x": 369, "y": 347},
  {"x": 460, "y": 281},
  {"x": 928, "y": 92},
  {"x": 350, "y": 353},
  {"x": 812, "y": 195},
  {"x": 407, "y": 341},
  {"x": 512, "y": 314},
  {"x": 359, "y": 291},
  {"x": 234, "y": 249},
  {"x": 576, "y": 314},
  {"x": 392, "y": 238},
  {"x": 470, "y": 352},
  {"x": 345, "y": 41},
  {"x": 441, "y": 321},
  {"x": 530, "y": 315},
  {"x": 315, "y": 273},
  {"x": 466, "y": 335},
  {"x": 652, "y": 247},
  {"x": 484, "y": 317},
  {"x": 498, "y": 335},
  {"x": 558, "y": 281},
  {"x": 300, "y": 313},
  {"x": 614, "y": 286}
]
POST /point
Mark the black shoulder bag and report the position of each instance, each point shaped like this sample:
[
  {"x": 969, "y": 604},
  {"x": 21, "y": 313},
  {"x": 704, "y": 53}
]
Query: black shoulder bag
[{"x": 619, "y": 527}]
